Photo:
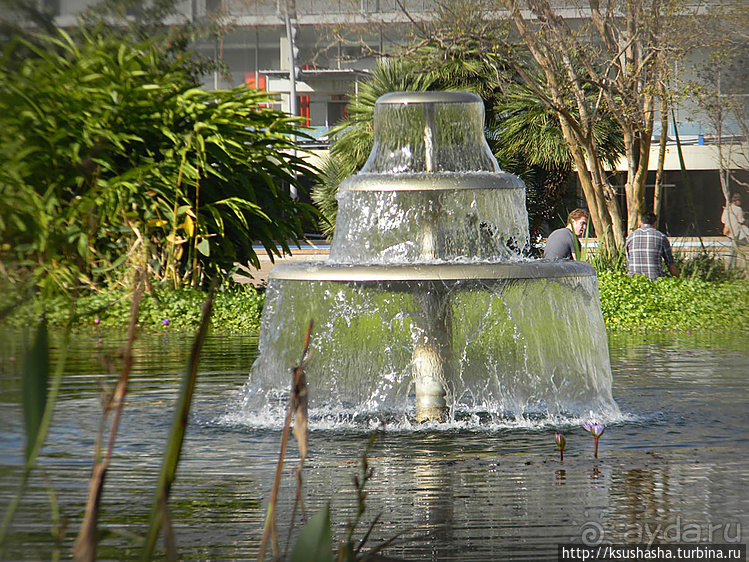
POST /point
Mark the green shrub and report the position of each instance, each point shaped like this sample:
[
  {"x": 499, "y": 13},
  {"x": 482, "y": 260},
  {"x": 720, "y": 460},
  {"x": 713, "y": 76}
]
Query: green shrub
[
  {"x": 114, "y": 159},
  {"x": 670, "y": 304},
  {"x": 235, "y": 309}
]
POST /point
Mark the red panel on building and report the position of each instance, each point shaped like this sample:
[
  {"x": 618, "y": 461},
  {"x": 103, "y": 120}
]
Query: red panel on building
[
  {"x": 249, "y": 80},
  {"x": 304, "y": 109}
]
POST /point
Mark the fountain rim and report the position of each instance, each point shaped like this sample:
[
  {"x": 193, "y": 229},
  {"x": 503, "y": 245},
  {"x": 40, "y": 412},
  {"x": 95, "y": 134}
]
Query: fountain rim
[
  {"x": 424, "y": 97},
  {"x": 485, "y": 271},
  {"x": 425, "y": 181}
]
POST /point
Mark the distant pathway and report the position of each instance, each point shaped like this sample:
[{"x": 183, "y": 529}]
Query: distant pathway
[{"x": 734, "y": 254}]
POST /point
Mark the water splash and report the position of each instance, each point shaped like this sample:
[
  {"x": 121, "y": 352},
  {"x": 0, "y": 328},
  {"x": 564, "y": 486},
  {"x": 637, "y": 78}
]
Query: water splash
[
  {"x": 427, "y": 307},
  {"x": 338, "y": 417}
]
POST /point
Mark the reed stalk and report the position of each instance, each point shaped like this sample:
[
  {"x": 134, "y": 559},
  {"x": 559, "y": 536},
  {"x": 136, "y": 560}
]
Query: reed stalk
[
  {"x": 298, "y": 410},
  {"x": 159, "y": 511},
  {"x": 85, "y": 546}
]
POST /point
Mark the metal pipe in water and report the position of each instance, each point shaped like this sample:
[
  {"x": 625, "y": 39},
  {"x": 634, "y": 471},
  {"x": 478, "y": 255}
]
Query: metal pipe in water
[
  {"x": 429, "y": 382},
  {"x": 431, "y": 356}
]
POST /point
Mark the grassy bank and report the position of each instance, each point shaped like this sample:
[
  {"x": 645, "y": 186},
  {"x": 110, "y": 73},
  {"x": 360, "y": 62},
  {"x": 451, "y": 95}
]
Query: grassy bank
[
  {"x": 235, "y": 310},
  {"x": 677, "y": 305},
  {"x": 628, "y": 304}
]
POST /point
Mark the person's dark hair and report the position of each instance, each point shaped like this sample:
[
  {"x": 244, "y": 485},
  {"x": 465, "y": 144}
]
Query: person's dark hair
[
  {"x": 576, "y": 214},
  {"x": 648, "y": 217},
  {"x": 735, "y": 198}
]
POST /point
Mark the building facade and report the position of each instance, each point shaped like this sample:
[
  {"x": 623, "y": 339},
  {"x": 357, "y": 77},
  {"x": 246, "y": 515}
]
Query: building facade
[{"x": 263, "y": 40}]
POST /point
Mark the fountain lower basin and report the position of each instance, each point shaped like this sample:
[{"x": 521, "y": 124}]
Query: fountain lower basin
[
  {"x": 425, "y": 340},
  {"x": 494, "y": 271}
]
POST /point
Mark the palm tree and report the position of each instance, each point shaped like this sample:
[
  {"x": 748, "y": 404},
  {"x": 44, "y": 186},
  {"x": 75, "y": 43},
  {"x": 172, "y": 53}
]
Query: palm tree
[{"x": 523, "y": 134}]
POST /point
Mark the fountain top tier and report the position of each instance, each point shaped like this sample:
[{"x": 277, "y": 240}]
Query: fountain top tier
[
  {"x": 431, "y": 190},
  {"x": 429, "y": 132}
]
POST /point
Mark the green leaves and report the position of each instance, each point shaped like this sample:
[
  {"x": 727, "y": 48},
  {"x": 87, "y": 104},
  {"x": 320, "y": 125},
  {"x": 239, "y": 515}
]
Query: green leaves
[
  {"x": 34, "y": 392},
  {"x": 314, "y": 543},
  {"x": 204, "y": 247},
  {"x": 101, "y": 139},
  {"x": 637, "y": 304}
]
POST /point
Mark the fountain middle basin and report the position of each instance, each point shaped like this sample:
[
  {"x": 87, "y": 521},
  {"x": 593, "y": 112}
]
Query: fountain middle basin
[{"x": 426, "y": 307}]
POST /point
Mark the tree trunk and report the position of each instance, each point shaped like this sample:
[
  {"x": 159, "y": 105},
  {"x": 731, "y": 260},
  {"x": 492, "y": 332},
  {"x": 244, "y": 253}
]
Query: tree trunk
[
  {"x": 637, "y": 175},
  {"x": 722, "y": 168},
  {"x": 609, "y": 196},
  {"x": 658, "y": 193},
  {"x": 594, "y": 195},
  {"x": 634, "y": 199}
]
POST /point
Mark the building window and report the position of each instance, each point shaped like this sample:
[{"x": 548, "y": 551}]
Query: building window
[
  {"x": 336, "y": 109},
  {"x": 369, "y": 6}
]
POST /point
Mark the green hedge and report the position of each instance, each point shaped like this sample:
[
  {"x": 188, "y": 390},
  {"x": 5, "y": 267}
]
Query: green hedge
[
  {"x": 235, "y": 309},
  {"x": 669, "y": 304},
  {"x": 628, "y": 304}
]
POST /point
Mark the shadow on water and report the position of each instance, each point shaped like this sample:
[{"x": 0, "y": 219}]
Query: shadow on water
[{"x": 674, "y": 467}]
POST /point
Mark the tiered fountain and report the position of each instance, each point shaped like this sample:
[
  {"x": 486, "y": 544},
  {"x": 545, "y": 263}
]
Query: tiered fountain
[{"x": 426, "y": 307}]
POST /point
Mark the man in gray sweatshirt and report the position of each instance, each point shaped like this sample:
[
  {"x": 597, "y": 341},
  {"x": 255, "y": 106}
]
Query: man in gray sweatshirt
[{"x": 562, "y": 244}]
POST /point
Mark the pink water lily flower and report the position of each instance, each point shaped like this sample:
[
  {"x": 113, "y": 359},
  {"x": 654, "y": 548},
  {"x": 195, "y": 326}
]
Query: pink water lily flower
[
  {"x": 561, "y": 444},
  {"x": 596, "y": 429}
]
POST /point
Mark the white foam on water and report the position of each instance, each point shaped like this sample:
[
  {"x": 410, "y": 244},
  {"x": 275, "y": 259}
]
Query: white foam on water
[{"x": 335, "y": 417}]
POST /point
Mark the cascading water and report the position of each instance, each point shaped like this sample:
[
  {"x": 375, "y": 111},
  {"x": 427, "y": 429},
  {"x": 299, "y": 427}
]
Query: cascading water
[{"x": 426, "y": 308}]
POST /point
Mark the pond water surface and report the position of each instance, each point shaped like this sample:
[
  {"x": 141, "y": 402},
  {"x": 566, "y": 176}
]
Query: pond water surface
[{"x": 675, "y": 469}]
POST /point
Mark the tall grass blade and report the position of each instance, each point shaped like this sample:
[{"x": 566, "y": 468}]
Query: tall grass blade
[
  {"x": 34, "y": 392},
  {"x": 159, "y": 513},
  {"x": 87, "y": 539},
  {"x": 41, "y": 435},
  {"x": 58, "y": 524}
]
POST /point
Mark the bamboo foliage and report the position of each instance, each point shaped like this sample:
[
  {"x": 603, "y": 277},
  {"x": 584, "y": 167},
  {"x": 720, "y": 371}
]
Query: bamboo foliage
[{"x": 108, "y": 149}]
